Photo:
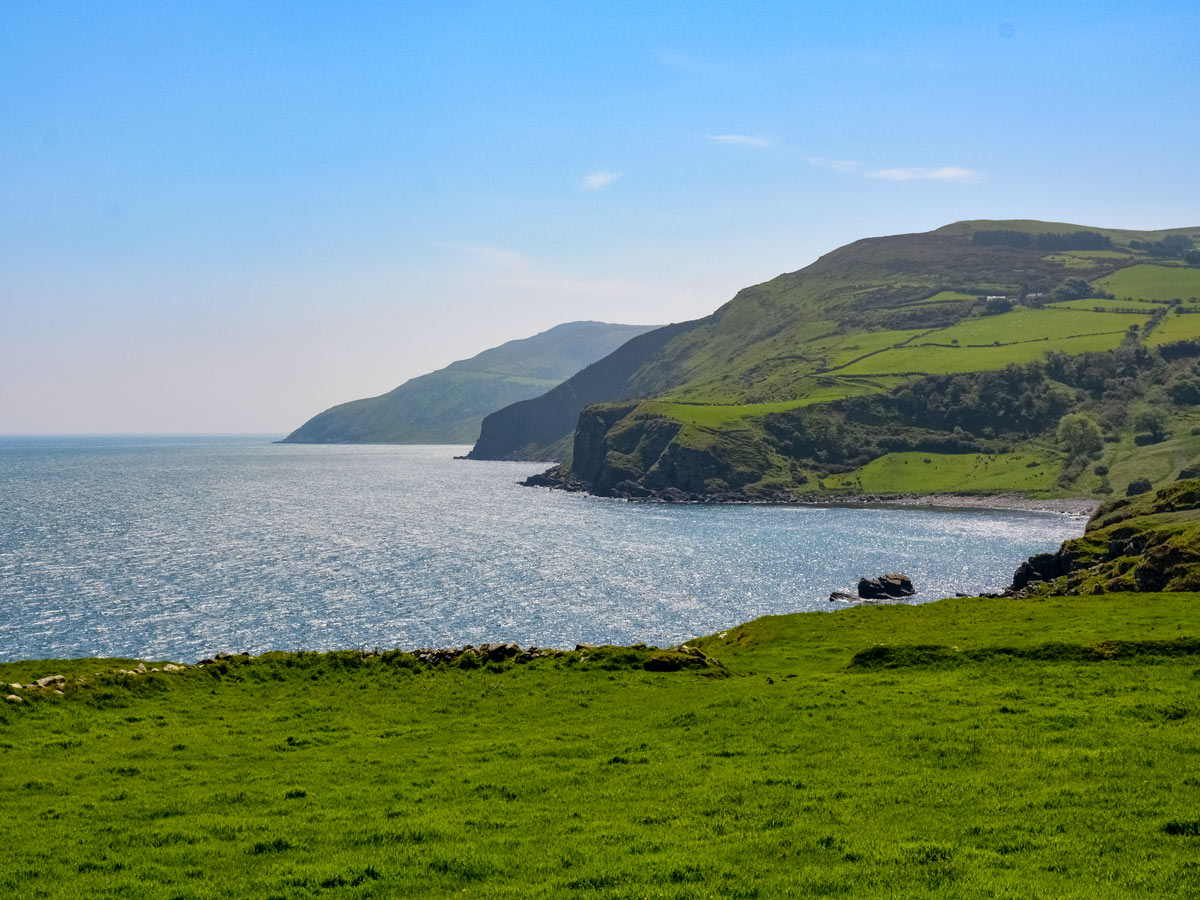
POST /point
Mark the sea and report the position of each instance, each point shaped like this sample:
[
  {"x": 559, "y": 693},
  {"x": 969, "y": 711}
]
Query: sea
[{"x": 182, "y": 547}]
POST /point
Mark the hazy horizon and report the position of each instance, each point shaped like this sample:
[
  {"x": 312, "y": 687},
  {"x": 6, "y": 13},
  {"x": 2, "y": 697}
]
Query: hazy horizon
[{"x": 224, "y": 218}]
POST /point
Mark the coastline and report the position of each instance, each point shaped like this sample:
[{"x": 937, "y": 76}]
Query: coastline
[
  {"x": 1069, "y": 506},
  {"x": 1082, "y": 507}
]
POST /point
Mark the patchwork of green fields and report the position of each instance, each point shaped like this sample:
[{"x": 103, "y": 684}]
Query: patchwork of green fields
[
  {"x": 1153, "y": 282},
  {"x": 992, "y": 342},
  {"x": 966, "y": 749},
  {"x": 948, "y": 360},
  {"x": 1031, "y": 324}
]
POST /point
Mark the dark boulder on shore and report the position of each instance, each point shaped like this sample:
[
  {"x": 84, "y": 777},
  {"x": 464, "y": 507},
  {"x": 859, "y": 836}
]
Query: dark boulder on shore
[
  {"x": 891, "y": 586},
  {"x": 1042, "y": 567}
]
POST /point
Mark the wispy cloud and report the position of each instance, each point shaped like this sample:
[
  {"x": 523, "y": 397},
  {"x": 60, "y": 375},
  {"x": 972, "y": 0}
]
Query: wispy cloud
[
  {"x": 899, "y": 173},
  {"x": 598, "y": 181},
  {"x": 504, "y": 268},
  {"x": 945, "y": 173},
  {"x": 745, "y": 140},
  {"x": 846, "y": 166}
]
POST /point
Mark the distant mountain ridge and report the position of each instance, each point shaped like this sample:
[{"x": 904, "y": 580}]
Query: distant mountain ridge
[{"x": 447, "y": 406}]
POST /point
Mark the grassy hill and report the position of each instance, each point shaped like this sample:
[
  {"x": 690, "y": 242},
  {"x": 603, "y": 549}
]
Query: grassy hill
[
  {"x": 733, "y": 404},
  {"x": 969, "y": 748},
  {"x": 447, "y": 406}
]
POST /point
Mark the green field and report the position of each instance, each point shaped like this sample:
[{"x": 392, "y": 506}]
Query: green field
[
  {"x": 1159, "y": 462},
  {"x": 1031, "y": 324},
  {"x": 948, "y": 360},
  {"x": 976, "y": 749},
  {"x": 902, "y": 473},
  {"x": 844, "y": 349},
  {"x": 1153, "y": 282},
  {"x": 1175, "y": 328},
  {"x": 945, "y": 297}
]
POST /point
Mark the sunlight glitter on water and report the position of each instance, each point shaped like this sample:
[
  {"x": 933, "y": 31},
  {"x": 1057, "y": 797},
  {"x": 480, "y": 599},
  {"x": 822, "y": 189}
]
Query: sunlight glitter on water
[{"x": 182, "y": 547}]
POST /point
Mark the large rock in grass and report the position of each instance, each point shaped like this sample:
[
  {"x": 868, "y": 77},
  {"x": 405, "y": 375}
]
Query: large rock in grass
[
  {"x": 1042, "y": 567},
  {"x": 892, "y": 586}
]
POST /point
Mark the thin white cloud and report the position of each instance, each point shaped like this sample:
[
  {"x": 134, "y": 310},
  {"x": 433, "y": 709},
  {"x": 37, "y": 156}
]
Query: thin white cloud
[
  {"x": 846, "y": 166},
  {"x": 745, "y": 140},
  {"x": 598, "y": 181},
  {"x": 898, "y": 173},
  {"x": 945, "y": 173},
  {"x": 504, "y": 268}
]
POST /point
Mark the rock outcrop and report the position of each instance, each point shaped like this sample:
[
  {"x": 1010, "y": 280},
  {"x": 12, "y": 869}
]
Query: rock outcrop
[
  {"x": 1148, "y": 542},
  {"x": 891, "y": 586}
]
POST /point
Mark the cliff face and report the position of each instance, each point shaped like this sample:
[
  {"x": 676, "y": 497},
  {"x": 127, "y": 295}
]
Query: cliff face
[{"x": 1149, "y": 542}]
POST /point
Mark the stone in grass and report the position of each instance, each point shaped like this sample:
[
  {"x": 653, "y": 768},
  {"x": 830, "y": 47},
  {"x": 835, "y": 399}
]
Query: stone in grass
[
  {"x": 1140, "y": 486},
  {"x": 13, "y": 698}
]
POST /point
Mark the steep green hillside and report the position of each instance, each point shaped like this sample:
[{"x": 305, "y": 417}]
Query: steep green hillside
[
  {"x": 796, "y": 384},
  {"x": 448, "y": 405}
]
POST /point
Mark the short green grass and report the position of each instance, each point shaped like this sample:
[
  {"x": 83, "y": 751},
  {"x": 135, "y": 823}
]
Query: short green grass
[
  {"x": 1175, "y": 327},
  {"x": 991, "y": 342},
  {"x": 901, "y": 473},
  {"x": 944, "y": 297},
  {"x": 949, "y": 360},
  {"x": 1161, "y": 462},
  {"x": 846, "y": 348},
  {"x": 1031, "y": 324},
  {"x": 716, "y": 415},
  {"x": 1000, "y": 764},
  {"x": 1153, "y": 282}
]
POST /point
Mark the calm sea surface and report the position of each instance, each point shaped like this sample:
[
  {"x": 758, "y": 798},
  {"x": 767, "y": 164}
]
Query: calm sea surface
[{"x": 183, "y": 547}]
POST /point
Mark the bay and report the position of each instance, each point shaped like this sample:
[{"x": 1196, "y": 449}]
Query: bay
[{"x": 179, "y": 548}]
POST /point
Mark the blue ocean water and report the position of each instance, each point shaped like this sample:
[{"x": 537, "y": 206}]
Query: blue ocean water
[{"x": 182, "y": 547}]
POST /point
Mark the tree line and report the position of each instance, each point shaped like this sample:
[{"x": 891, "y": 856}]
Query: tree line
[{"x": 1046, "y": 240}]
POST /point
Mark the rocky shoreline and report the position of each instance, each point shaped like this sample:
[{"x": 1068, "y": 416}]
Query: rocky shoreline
[{"x": 1071, "y": 506}]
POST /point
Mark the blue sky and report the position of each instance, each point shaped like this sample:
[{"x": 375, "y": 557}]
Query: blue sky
[{"x": 228, "y": 216}]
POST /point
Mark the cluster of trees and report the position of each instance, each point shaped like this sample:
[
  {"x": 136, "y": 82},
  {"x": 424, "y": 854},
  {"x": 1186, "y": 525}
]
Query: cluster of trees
[
  {"x": 1172, "y": 246},
  {"x": 1069, "y": 289},
  {"x": 1074, "y": 240},
  {"x": 1078, "y": 398},
  {"x": 1017, "y": 400}
]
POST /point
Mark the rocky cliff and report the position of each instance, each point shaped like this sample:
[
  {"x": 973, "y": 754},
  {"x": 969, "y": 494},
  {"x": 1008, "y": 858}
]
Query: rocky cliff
[{"x": 1149, "y": 542}]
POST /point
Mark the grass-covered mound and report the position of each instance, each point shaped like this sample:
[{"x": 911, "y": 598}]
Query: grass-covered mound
[
  {"x": 1147, "y": 542},
  {"x": 968, "y": 748}
]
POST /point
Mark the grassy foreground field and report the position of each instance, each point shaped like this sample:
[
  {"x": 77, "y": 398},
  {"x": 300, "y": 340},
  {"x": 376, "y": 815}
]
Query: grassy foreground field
[{"x": 966, "y": 748}]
